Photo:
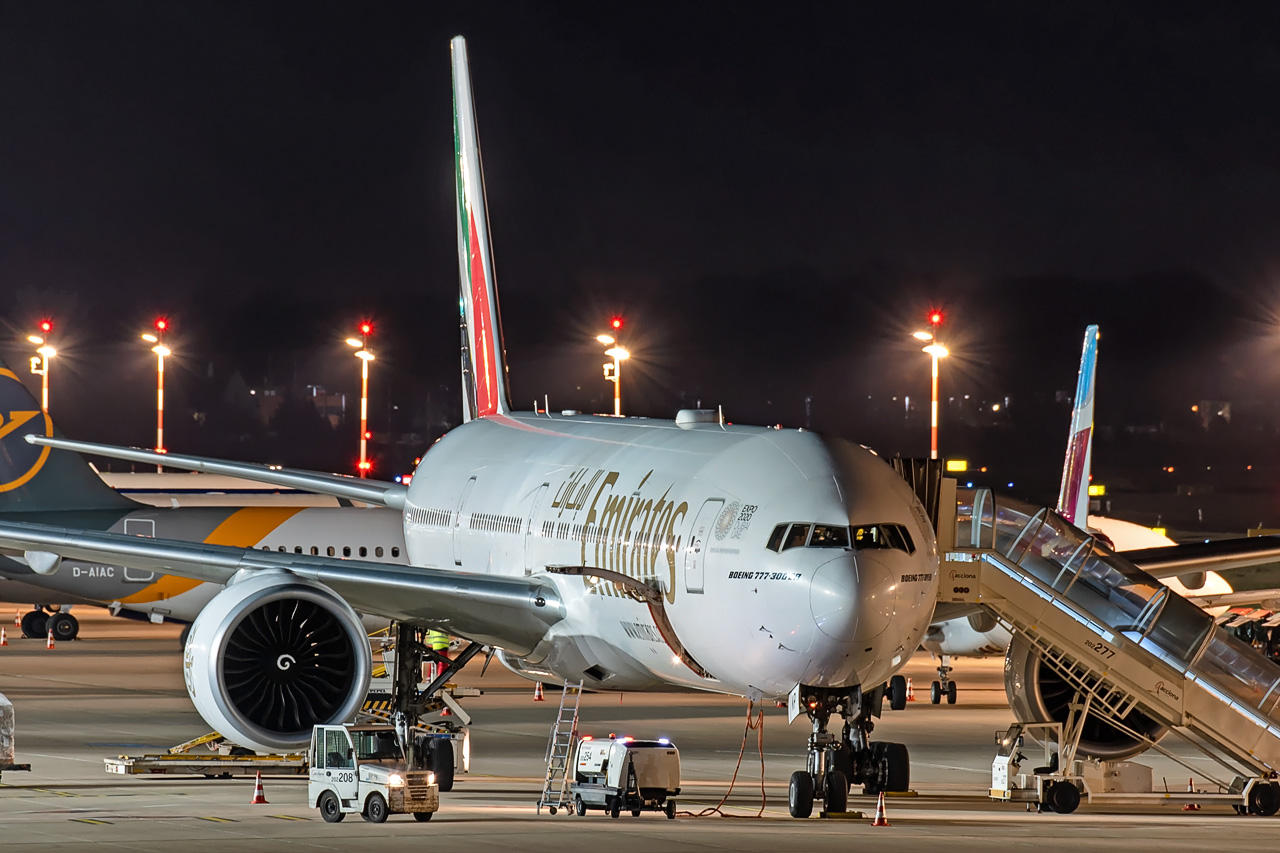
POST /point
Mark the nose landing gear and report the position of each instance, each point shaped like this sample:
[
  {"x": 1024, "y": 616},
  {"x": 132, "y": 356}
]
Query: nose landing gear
[
  {"x": 944, "y": 686},
  {"x": 836, "y": 763}
]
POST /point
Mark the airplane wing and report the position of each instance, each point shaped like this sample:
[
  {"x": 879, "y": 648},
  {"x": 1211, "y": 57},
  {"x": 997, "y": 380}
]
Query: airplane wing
[
  {"x": 391, "y": 495},
  {"x": 513, "y": 613},
  {"x": 1218, "y": 556}
]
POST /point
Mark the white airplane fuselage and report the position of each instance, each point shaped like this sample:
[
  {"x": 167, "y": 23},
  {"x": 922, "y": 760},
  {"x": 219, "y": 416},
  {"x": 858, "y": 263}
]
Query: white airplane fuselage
[{"x": 688, "y": 510}]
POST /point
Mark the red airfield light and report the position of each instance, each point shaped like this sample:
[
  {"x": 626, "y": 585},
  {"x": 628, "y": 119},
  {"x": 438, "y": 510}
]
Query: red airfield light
[
  {"x": 46, "y": 326},
  {"x": 935, "y": 318},
  {"x": 366, "y": 328},
  {"x": 162, "y": 324},
  {"x": 616, "y": 323},
  {"x": 368, "y": 435}
]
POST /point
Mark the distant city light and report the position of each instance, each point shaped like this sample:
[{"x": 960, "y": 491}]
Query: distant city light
[{"x": 1010, "y": 485}]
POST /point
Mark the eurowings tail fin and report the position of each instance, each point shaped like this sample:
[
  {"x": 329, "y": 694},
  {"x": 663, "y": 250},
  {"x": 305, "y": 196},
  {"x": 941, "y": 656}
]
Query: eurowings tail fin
[
  {"x": 484, "y": 360},
  {"x": 1073, "y": 497},
  {"x": 32, "y": 478}
]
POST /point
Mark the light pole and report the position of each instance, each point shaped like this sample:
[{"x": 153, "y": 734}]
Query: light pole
[
  {"x": 40, "y": 361},
  {"x": 162, "y": 326},
  {"x": 936, "y": 351},
  {"x": 362, "y": 353},
  {"x": 613, "y": 371}
]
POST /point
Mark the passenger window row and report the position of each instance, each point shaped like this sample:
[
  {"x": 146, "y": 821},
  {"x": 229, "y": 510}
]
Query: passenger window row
[
  {"x": 859, "y": 537},
  {"x": 331, "y": 551}
]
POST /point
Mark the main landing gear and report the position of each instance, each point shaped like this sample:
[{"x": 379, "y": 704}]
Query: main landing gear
[
  {"x": 38, "y": 622},
  {"x": 944, "y": 686},
  {"x": 836, "y": 763}
]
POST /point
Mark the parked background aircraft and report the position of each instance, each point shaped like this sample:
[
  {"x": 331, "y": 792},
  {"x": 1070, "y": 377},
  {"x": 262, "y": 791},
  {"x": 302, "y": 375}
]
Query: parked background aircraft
[{"x": 62, "y": 489}]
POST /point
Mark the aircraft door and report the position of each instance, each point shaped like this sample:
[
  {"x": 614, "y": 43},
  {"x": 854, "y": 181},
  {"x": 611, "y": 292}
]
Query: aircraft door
[
  {"x": 529, "y": 539},
  {"x": 457, "y": 522},
  {"x": 695, "y": 554},
  {"x": 139, "y": 527}
]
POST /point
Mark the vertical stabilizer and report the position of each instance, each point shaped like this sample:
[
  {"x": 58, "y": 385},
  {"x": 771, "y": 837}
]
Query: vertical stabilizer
[
  {"x": 38, "y": 479},
  {"x": 484, "y": 362},
  {"x": 1073, "y": 497}
]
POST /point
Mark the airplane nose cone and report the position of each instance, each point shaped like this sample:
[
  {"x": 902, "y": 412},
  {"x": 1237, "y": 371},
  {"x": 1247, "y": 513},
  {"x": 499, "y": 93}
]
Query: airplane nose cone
[
  {"x": 833, "y": 595},
  {"x": 852, "y": 598}
]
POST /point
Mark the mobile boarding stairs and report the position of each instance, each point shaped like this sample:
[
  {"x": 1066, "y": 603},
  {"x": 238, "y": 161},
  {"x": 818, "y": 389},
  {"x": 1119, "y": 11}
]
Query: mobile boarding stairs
[{"x": 1125, "y": 643}]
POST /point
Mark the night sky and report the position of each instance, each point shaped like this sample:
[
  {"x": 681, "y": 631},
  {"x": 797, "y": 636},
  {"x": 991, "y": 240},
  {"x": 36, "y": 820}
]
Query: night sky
[{"x": 772, "y": 195}]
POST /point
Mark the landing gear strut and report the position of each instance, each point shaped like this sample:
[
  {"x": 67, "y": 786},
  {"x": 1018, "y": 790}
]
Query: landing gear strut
[
  {"x": 944, "y": 686},
  {"x": 834, "y": 762}
]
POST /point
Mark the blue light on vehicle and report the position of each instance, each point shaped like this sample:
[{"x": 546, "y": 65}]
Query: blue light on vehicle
[{"x": 663, "y": 740}]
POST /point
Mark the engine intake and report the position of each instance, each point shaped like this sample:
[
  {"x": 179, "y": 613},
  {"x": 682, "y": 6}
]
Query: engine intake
[
  {"x": 273, "y": 655},
  {"x": 1038, "y": 693}
]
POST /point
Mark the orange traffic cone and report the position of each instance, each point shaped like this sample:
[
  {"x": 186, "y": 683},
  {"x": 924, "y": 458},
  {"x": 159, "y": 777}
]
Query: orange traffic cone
[
  {"x": 537, "y": 692},
  {"x": 4, "y": 641},
  {"x": 911, "y": 693},
  {"x": 1191, "y": 807},
  {"x": 880, "y": 818},
  {"x": 259, "y": 797},
  {"x": 49, "y": 643},
  {"x": 17, "y": 618}
]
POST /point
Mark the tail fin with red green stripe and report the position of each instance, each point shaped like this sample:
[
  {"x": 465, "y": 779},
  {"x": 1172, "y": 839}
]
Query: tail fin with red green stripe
[
  {"x": 484, "y": 361},
  {"x": 1073, "y": 497}
]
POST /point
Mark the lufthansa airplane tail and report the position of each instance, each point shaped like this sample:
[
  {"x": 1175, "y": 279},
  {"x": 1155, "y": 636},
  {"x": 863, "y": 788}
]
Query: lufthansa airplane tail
[
  {"x": 34, "y": 478},
  {"x": 484, "y": 360},
  {"x": 1073, "y": 497}
]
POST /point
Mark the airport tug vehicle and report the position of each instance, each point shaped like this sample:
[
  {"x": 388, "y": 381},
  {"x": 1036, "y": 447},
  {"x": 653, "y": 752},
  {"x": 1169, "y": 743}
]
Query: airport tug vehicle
[
  {"x": 624, "y": 774},
  {"x": 366, "y": 769}
]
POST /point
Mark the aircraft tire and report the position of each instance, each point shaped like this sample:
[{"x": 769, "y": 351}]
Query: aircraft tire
[
  {"x": 897, "y": 693},
  {"x": 951, "y": 693},
  {"x": 64, "y": 626},
  {"x": 897, "y": 762},
  {"x": 836, "y": 792},
  {"x": 935, "y": 693},
  {"x": 800, "y": 794},
  {"x": 35, "y": 624}
]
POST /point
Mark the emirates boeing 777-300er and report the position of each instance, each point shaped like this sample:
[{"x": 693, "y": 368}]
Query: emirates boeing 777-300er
[{"x": 626, "y": 553}]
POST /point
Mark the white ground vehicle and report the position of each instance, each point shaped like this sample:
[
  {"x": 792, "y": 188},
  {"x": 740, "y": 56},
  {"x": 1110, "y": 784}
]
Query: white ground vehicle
[
  {"x": 624, "y": 774},
  {"x": 362, "y": 768}
]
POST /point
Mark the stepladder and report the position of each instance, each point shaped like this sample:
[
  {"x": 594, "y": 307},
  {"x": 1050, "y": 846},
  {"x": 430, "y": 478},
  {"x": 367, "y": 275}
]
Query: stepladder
[{"x": 564, "y": 736}]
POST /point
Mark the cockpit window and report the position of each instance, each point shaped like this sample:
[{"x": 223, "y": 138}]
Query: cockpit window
[
  {"x": 828, "y": 536},
  {"x": 775, "y": 538},
  {"x": 797, "y": 536},
  {"x": 895, "y": 536},
  {"x": 860, "y": 537}
]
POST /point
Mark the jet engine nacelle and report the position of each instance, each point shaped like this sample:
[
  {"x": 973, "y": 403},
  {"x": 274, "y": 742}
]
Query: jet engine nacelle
[
  {"x": 271, "y": 656},
  {"x": 1039, "y": 694}
]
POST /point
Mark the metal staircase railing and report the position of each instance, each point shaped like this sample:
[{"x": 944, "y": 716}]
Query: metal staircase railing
[{"x": 1116, "y": 636}]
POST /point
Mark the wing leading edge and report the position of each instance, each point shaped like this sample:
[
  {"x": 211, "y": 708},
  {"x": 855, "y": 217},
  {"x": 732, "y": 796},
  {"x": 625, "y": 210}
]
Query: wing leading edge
[{"x": 513, "y": 613}]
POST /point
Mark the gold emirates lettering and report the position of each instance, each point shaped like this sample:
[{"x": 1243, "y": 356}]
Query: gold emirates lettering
[{"x": 629, "y": 533}]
